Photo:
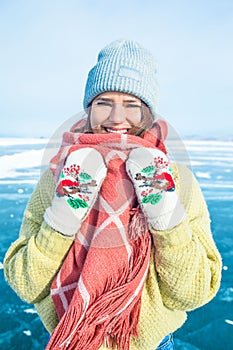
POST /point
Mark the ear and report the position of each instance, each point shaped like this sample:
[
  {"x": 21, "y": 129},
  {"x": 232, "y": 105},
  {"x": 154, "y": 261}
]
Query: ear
[{"x": 163, "y": 127}]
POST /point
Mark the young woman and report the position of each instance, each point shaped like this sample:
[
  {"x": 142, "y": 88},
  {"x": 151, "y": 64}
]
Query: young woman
[{"x": 115, "y": 245}]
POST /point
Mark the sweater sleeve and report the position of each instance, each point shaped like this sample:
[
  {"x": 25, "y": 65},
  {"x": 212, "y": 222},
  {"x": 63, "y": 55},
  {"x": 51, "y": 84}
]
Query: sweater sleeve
[
  {"x": 186, "y": 257},
  {"x": 34, "y": 258}
]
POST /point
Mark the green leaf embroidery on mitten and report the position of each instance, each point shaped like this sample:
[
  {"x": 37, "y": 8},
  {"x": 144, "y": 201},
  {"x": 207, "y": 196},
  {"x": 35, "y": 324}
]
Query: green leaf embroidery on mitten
[
  {"x": 152, "y": 199},
  {"x": 84, "y": 177},
  {"x": 149, "y": 170},
  {"x": 170, "y": 170},
  {"x": 77, "y": 203}
]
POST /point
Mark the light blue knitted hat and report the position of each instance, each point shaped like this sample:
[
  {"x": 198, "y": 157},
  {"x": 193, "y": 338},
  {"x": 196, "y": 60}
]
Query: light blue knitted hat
[{"x": 124, "y": 66}]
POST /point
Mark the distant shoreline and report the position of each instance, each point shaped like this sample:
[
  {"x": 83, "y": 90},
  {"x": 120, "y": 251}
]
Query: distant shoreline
[{"x": 188, "y": 137}]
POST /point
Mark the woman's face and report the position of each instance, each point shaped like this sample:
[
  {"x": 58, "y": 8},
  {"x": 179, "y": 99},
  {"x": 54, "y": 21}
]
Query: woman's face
[{"x": 115, "y": 112}]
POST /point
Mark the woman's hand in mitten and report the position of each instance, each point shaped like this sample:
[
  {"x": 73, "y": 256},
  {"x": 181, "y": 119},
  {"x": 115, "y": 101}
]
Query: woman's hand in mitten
[
  {"x": 155, "y": 187},
  {"x": 77, "y": 190}
]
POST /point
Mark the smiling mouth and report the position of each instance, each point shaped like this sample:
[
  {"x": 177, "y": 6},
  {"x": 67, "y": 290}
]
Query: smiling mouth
[{"x": 116, "y": 131}]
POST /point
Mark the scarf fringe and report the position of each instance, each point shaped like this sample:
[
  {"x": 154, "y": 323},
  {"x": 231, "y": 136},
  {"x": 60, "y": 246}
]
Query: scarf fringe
[
  {"x": 138, "y": 225},
  {"x": 91, "y": 335}
]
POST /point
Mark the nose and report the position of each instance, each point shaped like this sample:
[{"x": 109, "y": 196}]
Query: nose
[{"x": 117, "y": 114}]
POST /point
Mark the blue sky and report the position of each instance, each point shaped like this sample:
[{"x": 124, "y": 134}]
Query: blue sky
[{"x": 48, "y": 47}]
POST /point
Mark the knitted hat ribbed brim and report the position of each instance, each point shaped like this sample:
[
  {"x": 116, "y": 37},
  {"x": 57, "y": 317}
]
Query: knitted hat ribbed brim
[{"x": 124, "y": 66}]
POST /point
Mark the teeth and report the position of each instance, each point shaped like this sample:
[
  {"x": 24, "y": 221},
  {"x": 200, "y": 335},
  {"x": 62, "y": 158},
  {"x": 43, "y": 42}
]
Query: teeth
[{"x": 123, "y": 131}]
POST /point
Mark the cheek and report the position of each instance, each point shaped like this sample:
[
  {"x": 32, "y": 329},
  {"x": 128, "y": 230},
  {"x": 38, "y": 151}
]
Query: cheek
[
  {"x": 136, "y": 119},
  {"x": 95, "y": 118}
]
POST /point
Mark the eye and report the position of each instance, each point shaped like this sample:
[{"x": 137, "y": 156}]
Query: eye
[
  {"x": 132, "y": 105},
  {"x": 103, "y": 103}
]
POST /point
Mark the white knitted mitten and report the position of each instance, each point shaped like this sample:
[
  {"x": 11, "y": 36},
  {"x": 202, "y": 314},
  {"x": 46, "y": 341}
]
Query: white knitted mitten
[
  {"x": 77, "y": 190},
  {"x": 155, "y": 187}
]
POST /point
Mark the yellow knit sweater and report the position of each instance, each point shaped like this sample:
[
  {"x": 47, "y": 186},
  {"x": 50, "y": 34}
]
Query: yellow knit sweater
[{"x": 184, "y": 273}]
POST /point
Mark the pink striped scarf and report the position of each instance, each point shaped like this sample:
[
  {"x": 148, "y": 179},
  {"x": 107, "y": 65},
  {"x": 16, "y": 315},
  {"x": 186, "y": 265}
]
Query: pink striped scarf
[{"x": 97, "y": 292}]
